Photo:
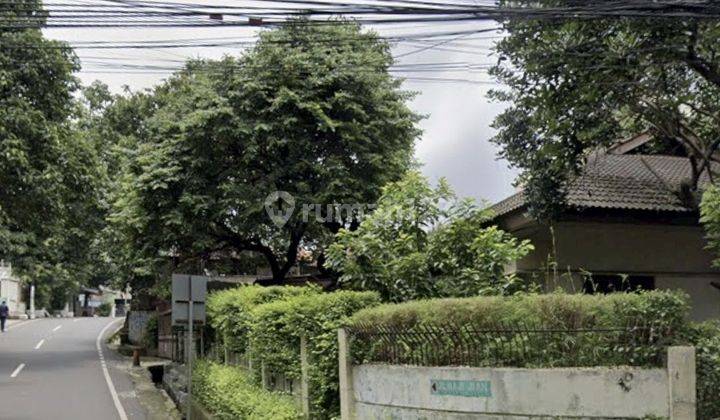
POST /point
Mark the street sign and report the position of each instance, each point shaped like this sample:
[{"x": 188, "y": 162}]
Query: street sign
[
  {"x": 460, "y": 388},
  {"x": 188, "y": 308},
  {"x": 187, "y": 289}
]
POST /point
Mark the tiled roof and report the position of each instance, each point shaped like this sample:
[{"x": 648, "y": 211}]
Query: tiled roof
[{"x": 637, "y": 182}]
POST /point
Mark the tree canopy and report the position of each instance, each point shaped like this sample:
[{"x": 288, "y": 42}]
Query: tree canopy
[
  {"x": 322, "y": 121},
  {"x": 50, "y": 174},
  {"x": 576, "y": 84}
]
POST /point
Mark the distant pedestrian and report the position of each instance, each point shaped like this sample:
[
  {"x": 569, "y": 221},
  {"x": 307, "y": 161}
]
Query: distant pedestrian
[{"x": 4, "y": 311}]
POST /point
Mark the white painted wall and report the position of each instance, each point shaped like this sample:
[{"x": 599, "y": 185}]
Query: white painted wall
[
  {"x": 404, "y": 392},
  {"x": 379, "y": 391},
  {"x": 10, "y": 290}
]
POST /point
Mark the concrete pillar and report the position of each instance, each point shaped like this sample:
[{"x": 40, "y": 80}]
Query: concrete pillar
[
  {"x": 304, "y": 377},
  {"x": 347, "y": 399},
  {"x": 681, "y": 381}
]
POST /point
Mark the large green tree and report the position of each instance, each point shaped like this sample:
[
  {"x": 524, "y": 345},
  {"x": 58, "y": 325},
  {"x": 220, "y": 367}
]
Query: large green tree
[
  {"x": 52, "y": 174},
  {"x": 422, "y": 242},
  {"x": 311, "y": 110},
  {"x": 574, "y": 84},
  {"x": 35, "y": 101}
]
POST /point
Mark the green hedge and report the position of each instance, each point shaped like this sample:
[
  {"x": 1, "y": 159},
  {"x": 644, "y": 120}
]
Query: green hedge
[
  {"x": 706, "y": 339},
  {"x": 229, "y": 311},
  {"x": 666, "y": 311},
  {"x": 228, "y": 393},
  {"x": 275, "y": 339}
]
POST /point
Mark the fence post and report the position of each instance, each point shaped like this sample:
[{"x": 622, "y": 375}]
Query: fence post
[
  {"x": 347, "y": 403},
  {"x": 305, "y": 377},
  {"x": 264, "y": 374},
  {"x": 681, "y": 382}
]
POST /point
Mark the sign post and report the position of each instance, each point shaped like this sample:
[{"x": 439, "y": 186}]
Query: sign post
[{"x": 188, "y": 307}]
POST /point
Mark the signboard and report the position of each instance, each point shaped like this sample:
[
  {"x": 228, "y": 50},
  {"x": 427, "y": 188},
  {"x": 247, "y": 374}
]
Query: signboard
[
  {"x": 188, "y": 308},
  {"x": 187, "y": 290},
  {"x": 460, "y": 388}
]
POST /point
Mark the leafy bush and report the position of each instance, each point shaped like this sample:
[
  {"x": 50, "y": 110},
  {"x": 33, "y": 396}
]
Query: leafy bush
[
  {"x": 706, "y": 339},
  {"x": 411, "y": 247},
  {"x": 665, "y": 311},
  {"x": 104, "y": 309},
  {"x": 228, "y": 393},
  {"x": 150, "y": 339},
  {"x": 278, "y": 327},
  {"x": 229, "y": 310},
  {"x": 710, "y": 218}
]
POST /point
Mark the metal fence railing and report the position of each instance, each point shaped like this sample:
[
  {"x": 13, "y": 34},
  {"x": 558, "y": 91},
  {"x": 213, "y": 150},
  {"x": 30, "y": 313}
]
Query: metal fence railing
[
  {"x": 640, "y": 343},
  {"x": 175, "y": 344}
]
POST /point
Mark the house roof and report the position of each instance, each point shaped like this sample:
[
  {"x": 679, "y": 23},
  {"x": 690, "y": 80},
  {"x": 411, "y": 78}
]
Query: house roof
[{"x": 631, "y": 182}]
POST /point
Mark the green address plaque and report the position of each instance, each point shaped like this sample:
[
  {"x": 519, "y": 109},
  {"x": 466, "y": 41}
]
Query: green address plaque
[{"x": 460, "y": 388}]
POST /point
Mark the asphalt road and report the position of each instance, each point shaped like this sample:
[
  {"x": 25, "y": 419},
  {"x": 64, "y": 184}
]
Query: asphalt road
[{"x": 53, "y": 369}]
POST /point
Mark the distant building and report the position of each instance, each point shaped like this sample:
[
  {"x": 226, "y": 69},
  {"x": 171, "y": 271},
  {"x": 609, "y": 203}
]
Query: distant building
[
  {"x": 11, "y": 290},
  {"x": 626, "y": 227}
]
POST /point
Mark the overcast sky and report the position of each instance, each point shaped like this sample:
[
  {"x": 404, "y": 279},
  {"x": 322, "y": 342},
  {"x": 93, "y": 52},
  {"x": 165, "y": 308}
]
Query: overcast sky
[{"x": 455, "y": 143}]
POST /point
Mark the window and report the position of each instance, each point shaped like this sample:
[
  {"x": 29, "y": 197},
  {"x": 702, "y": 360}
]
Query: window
[{"x": 610, "y": 283}]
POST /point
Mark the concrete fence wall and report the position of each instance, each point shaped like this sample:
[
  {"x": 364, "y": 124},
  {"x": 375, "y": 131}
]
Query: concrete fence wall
[
  {"x": 137, "y": 325},
  {"x": 377, "y": 391}
]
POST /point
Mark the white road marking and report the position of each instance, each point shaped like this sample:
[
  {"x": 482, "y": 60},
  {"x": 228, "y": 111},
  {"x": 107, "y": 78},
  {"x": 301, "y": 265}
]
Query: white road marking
[
  {"x": 39, "y": 344},
  {"x": 17, "y": 370},
  {"x": 76, "y": 319},
  {"x": 106, "y": 373},
  {"x": 57, "y": 328}
]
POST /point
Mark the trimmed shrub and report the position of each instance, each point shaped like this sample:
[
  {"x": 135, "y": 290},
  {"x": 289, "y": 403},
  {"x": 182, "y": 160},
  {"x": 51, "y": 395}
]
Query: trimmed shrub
[
  {"x": 665, "y": 312},
  {"x": 228, "y": 393},
  {"x": 276, "y": 332},
  {"x": 706, "y": 339},
  {"x": 229, "y": 310}
]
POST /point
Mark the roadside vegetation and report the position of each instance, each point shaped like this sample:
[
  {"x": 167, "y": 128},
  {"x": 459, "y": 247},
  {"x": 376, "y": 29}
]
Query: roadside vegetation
[
  {"x": 268, "y": 332},
  {"x": 228, "y": 394},
  {"x": 631, "y": 329}
]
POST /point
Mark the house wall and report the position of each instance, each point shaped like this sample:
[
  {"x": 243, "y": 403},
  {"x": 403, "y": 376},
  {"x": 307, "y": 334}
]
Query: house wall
[
  {"x": 618, "y": 247},
  {"x": 704, "y": 297},
  {"x": 674, "y": 255}
]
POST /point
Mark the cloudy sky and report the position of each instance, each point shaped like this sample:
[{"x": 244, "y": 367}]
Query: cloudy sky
[{"x": 455, "y": 143}]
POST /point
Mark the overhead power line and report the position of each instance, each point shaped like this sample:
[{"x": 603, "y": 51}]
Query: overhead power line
[{"x": 126, "y": 13}]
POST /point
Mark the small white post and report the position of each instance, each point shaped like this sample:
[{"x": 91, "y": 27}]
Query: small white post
[
  {"x": 32, "y": 301},
  {"x": 681, "y": 382},
  {"x": 347, "y": 400}
]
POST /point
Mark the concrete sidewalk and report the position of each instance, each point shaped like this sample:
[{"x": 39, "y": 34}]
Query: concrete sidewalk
[{"x": 154, "y": 403}]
